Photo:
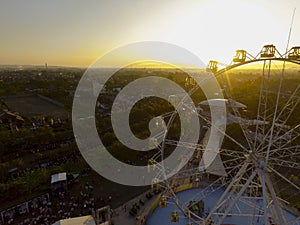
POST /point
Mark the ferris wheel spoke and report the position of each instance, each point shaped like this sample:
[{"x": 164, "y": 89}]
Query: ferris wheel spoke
[
  {"x": 287, "y": 110},
  {"x": 286, "y": 152},
  {"x": 281, "y": 119},
  {"x": 223, "y": 133},
  {"x": 230, "y": 189},
  {"x": 182, "y": 144},
  {"x": 236, "y": 197},
  {"x": 291, "y": 132},
  {"x": 218, "y": 184},
  {"x": 285, "y": 163},
  {"x": 262, "y": 109},
  {"x": 275, "y": 111},
  {"x": 166, "y": 115},
  {"x": 289, "y": 152},
  {"x": 227, "y": 152},
  {"x": 253, "y": 205},
  {"x": 295, "y": 221},
  {"x": 233, "y": 161},
  {"x": 265, "y": 198},
  {"x": 232, "y": 153},
  {"x": 224, "y": 208},
  {"x": 279, "y": 216},
  {"x": 237, "y": 114},
  {"x": 231, "y": 165},
  {"x": 284, "y": 178},
  {"x": 263, "y": 100}
]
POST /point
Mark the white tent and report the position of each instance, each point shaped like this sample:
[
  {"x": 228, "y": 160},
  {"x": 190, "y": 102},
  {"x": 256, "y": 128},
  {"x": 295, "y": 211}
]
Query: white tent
[
  {"x": 83, "y": 220},
  {"x": 212, "y": 149},
  {"x": 58, "y": 177},
  {"x": 220, "y": 103}
]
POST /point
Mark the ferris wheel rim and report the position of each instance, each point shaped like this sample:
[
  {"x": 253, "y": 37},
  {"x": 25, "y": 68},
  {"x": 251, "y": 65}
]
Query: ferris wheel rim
[{"x": 236, "y": 65}]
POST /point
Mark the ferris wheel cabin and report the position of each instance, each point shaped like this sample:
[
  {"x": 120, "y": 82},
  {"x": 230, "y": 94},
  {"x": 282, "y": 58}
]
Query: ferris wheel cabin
[
  {"x": 294, "y": 53},
  {"x": 268, "y": 51},
  {"x": 240, "y": 56},
  {"x": 163, "y": 202},
  {"x": 174, "y": 216},
  {"x": 212, "y": 66}
]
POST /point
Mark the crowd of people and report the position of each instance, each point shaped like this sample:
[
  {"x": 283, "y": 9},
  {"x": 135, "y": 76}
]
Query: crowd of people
[
  {"x": 45, "y": 210},
  {"x": 35, "y": 211}
]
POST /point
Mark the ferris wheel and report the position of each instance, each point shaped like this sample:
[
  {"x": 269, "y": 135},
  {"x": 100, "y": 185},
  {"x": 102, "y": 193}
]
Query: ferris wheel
[{"x": 255, "y": 175}]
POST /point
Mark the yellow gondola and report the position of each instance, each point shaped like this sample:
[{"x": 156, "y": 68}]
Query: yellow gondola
[
  {"x": 240, "y": 56},
  {"x": 268, "y": 51},
  {"x": 174, "y": 216},
  {"x": 294, "y": 53}
]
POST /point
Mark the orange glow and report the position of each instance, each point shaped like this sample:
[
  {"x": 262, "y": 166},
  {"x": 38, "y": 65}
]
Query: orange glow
[{"x": 77, "y": 34}]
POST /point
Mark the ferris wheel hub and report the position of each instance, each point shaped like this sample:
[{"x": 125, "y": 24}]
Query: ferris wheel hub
[{"x": 261, "y": 164}]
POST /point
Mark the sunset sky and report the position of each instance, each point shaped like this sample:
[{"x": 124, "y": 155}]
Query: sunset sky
[{"x": 76, "y": 32}]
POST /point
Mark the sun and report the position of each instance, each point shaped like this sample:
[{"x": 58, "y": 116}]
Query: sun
[{"x": 215, "y": 29}]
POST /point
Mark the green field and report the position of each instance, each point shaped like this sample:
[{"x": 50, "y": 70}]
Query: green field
[{"x": 32, "y": 105}]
